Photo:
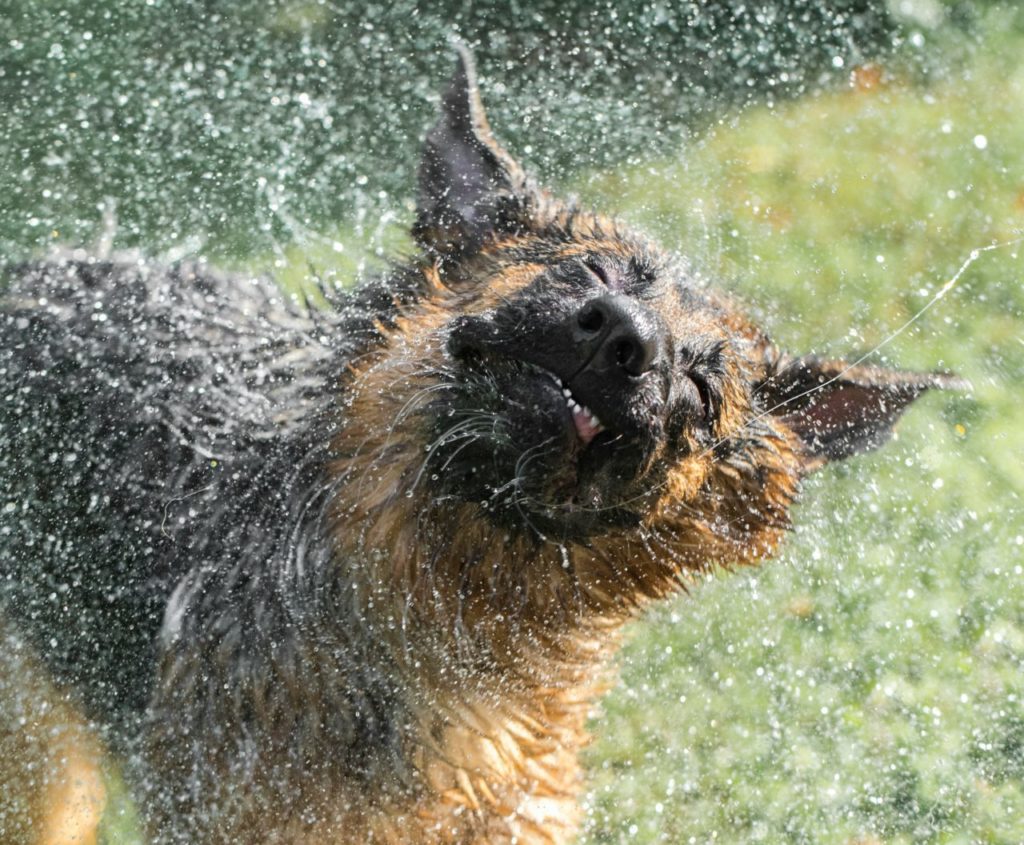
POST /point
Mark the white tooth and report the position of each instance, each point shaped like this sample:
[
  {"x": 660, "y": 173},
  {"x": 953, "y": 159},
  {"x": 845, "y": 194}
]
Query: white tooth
[
  {"x": 566, "y": 393},
  {"x": 558, "y": 381},
  {"x": 594, "y": 421},
  {"x": 575, "y": 407}
]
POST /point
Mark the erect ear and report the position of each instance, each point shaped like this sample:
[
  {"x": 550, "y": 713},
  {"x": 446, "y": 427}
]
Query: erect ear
[
  {"x": 469, "y": 187},
  {"x": 838, "y": 410}
]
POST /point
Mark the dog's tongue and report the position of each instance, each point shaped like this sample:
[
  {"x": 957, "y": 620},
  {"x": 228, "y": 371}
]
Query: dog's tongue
[{"x": 586, "y": 429}]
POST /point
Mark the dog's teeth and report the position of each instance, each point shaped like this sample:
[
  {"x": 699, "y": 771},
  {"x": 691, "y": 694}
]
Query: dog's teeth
[
  {"x": 558, "y": 381},
  {"x": 594, "y": 421},
  {"x": 567, "y": 393}
]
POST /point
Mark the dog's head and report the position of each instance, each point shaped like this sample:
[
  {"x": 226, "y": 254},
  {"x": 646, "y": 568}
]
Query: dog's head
[{"x": 564, "y": 378}]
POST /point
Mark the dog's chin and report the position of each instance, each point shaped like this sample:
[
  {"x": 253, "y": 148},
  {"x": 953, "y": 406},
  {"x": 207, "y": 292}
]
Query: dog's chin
[{"x": 508, "y": 438}]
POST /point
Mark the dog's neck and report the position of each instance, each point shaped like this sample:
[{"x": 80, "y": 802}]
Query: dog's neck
[
  {"x": 499, "y": 638},
  {"x": 488, "y": 605}
]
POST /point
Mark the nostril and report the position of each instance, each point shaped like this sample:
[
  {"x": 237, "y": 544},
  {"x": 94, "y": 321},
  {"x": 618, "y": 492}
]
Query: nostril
[
  {"x": 633, "y": 352},
  {"x": 616, "y": 335},
  {"x": 590, "y": 319},
  {"x": 624, "y": 352}
]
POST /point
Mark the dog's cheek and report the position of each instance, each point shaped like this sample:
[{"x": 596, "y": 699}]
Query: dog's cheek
[
  {"x": 543, "y": 439},
  {"x": 541, "y": 426},
  {"x": 683, "y": 483}
]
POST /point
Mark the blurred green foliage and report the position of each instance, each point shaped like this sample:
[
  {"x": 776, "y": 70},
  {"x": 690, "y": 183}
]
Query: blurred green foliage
[{"x": 234, "y": 126}]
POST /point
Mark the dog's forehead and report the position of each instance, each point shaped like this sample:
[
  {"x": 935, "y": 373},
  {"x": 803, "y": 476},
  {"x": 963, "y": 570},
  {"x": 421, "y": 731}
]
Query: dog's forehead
[{"x": 664, "y": 280}]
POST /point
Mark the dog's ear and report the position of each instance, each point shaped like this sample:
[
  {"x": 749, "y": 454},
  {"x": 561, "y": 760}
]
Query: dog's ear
[
  {"x": 469, "y": 187},
  {"x": 838, "y": 410}
]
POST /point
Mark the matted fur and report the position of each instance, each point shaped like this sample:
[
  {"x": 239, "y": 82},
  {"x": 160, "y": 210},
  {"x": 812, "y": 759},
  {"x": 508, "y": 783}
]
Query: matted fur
[{"x": 354, "y": 575}]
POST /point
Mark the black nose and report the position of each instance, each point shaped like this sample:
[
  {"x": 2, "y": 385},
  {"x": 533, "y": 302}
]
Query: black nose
[{"x": 616, "y": 334}]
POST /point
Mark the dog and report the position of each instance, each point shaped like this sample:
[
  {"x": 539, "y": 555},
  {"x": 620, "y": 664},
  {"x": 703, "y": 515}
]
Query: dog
[{"x": 353, "y": 573}]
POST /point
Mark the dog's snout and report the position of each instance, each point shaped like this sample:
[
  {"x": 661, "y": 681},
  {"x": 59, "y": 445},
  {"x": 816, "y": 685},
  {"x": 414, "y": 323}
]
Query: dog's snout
[
  {"x": 617, "y": 335},
  {"x": 470, "y": 334}
]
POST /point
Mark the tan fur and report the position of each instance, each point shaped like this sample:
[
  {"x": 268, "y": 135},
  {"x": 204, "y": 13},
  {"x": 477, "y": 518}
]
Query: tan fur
[
  {"x": 533, "y": 626},
  {"x": 51, "y": 783}
]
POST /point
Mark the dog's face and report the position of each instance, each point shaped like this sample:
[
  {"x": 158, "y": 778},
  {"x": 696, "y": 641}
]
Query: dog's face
[
  {"x": 570, "y": 380},
  {"x": 583, "y": 376}
]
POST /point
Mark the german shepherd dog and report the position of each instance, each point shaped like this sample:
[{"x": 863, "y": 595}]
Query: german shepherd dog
[{"x": 352, "y": 574}]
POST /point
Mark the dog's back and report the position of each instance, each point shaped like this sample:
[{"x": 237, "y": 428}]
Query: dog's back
[
  {"x": 136, "y": 399},
  {"x": 163, "y": 457}
]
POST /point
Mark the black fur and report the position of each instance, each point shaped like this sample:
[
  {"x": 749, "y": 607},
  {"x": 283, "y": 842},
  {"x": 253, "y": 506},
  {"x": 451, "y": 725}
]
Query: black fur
[{"x": 212, "y": 399}]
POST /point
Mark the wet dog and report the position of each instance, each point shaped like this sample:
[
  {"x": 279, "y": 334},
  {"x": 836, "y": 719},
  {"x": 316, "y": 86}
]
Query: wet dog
[{"x": 352, "y": 574}]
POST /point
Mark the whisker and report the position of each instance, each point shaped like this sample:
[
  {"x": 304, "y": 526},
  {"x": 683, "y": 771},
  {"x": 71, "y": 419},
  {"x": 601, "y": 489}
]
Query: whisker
[{"x": 465, "y": 429}]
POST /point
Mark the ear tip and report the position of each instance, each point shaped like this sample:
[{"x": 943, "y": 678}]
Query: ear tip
[
  {"x": 462, "y": 49},
  {"x": 951, "y": 381},
  {"x": 465, "y": 67}
]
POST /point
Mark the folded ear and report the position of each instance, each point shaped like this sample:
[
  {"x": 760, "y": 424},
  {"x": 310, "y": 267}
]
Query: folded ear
[
  {"x": 838, "y": 410},
  {"x": 469, "y": 187}
]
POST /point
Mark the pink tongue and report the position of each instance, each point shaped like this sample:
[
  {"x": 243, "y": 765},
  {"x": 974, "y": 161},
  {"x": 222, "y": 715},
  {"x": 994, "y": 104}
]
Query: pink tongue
[{"x": 586, "y": 430}]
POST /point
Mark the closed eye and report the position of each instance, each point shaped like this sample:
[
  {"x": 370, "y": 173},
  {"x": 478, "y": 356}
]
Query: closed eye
[
  {"x": 701, "y": 361},
  {"x": 707, "y": 400},
  {"x": 597, "y": 270}
]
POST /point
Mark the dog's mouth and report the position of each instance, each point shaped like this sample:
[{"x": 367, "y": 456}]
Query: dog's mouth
[
  {"x": 587, "y": 424},
  {"x": 580, "y": 418},
  {"x": 532, "y": 450}
]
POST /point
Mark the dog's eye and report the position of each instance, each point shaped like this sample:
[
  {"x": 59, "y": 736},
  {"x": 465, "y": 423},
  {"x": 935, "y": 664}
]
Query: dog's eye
[
  {"x": 643, "y": 271},
  {"x": 701, "y": 362},
  {"x": 595, "y": 269},
  {"x": 707, "y": 399}
]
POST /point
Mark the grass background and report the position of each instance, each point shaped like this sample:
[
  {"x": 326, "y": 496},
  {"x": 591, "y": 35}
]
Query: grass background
[{"x": 866, "y": 686}]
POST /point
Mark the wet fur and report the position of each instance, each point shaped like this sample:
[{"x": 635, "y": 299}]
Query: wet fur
[{"x": 240, "y": 534}]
